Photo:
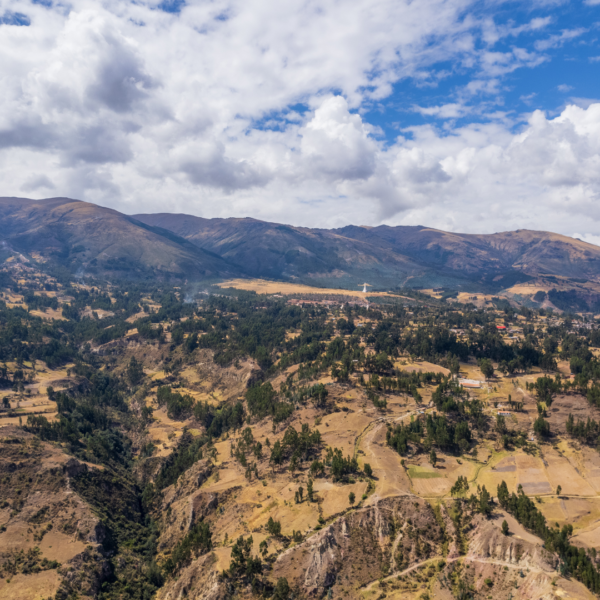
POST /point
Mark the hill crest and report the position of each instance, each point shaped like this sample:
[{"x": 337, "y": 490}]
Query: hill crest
[{"x": 89, "y": 239}]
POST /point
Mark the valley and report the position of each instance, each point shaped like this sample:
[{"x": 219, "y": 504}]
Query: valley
[{"x": 268, "y": 440}]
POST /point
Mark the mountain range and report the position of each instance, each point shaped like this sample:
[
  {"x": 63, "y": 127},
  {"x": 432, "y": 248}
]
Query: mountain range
[{"x": 90, "y": 239}]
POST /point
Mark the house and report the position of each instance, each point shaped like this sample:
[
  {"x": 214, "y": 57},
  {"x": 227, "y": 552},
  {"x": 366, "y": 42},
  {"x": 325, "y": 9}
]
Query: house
[{"x": 470, "y": 383}]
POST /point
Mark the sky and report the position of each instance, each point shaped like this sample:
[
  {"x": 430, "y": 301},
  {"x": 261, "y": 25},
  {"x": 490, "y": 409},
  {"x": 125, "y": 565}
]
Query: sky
[{"x": 464, "y": 116}]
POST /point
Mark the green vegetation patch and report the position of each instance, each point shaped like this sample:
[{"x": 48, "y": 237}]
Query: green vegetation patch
[{"x": 421, "y": 473}]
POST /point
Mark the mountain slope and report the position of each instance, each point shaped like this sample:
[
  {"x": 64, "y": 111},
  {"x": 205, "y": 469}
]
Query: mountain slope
[
  {"x": 276, "y": 251},
  {"x": 91, "y": 239},
  {"x": 532, "y": 252},
  {"x": 392, "y": 256}
]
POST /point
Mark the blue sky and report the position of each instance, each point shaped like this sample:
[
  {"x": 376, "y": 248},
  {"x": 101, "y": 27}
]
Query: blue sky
[
  {"x": 563, "y": 66},
  {"x": 566, "y": 43},
  {"x": 461, "y": 115}
]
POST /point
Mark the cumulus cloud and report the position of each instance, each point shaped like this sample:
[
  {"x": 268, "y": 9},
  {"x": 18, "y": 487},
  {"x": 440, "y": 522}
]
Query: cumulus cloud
[
  {"x": 258, "y": 107},
  {"x": 551, "y": 165},
  {"x": 335, "y": 143}
]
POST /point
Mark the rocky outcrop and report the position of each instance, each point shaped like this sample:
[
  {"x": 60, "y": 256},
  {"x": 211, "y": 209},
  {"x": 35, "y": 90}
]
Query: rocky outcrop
[
  {"x": 147, "y": 469},
  {"x": 40, "y": 489},
  {"x": 358, "y": 547},
  {"x": 83, "y": 575},
  {"x": 188, "y": 483},
  {"x": 488, "y": 542},
  {"x": 184, "y": 503},
  {"x": 73, "y": 468},
  {"x": 198, "y": 581},
  {"x": 501, "y": 566}
]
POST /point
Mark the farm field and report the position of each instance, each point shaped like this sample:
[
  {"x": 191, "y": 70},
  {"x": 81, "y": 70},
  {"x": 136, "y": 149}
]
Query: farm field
[{"x": 261, "y": 286}]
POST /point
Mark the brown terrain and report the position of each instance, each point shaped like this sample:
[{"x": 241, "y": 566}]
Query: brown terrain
[
  {"x": 90, "y": 239},
  {"x": 371, "y": 549},
  {"x": 51, "y": 539},
  {"x": 400, "y": 539},
  {"x": 402, "y": 535},
  {"x": 396, "y": 256}
]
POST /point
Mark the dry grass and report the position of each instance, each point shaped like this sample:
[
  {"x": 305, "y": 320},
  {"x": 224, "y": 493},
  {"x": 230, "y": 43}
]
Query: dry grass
[
  {"x": 561, "y": 471},
  {"x": 390, "y": 477},
  {"x": 531, "y": 474},
  {"x": 49, "y": 314},
  {"x": 261, "y": 286},
  {"x": 500, "y": 468},
  {"x": 35, "y": 586},
  {"x": 60, "y": 547},
  {"x": 335, "y": 497},
  {"x": 516, "y": 529},
  {"x": 421, "y": 367}
]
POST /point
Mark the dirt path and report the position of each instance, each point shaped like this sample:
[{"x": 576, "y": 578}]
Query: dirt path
[
  {"x": 361, "y": 435},
  {"x": 380, "y": 420},
  {"x": 391, "y": 480},
  {"x": 529, "y": 397},
  {"x": 564, "y": 508},
  {"x": 394, "y": 548},
  {"x": 369, "y": 585},
  {"x": 469, "y": 559}
]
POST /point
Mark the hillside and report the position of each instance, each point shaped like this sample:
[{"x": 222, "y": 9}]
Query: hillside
[
  {"x": 387, "y": 256},
  {"x": 88, "y": 240},
  {"x": 92, "y": 240},
  {"x": 161, "y": 445},
  {"x": 277, "y": 251},
  {"x": 533, "y": 253}
]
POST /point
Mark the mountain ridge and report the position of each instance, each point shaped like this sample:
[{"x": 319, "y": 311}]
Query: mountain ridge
[
  {"x": 83, "y": 236},
  {"x": 409, "y": 251},
  {"x": 89, "y": 239}
]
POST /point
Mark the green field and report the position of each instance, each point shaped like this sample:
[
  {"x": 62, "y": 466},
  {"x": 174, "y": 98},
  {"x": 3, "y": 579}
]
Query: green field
[{"x": 420, "y": 473}]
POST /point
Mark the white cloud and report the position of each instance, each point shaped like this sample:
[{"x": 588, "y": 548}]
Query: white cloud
[
  {"x": 558, "y": 40},
  {"x": 583, "y": 102},
  {"x": 546, "y": 176},
  {"x": 254, "y": 108},
  {"x": 528, "y": 98},
  {"x": 37, "y": 182},
  {"x": 452, "y": 110},
  {"x": 335, "y": 143},
  {"x": 492, "y": 32},
  {"x": 588, "y": 237}
]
